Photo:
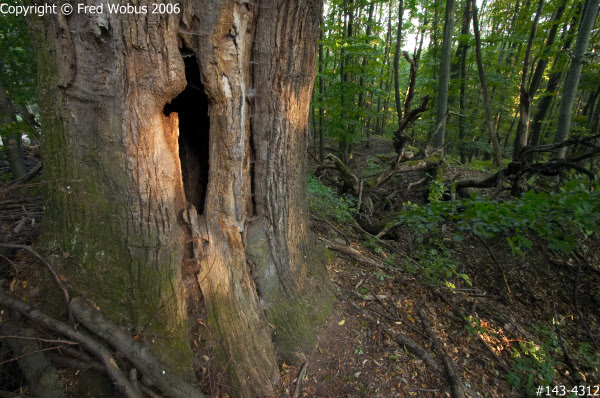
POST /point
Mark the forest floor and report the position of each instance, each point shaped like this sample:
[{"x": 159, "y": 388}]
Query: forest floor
[
  {"x": 500, "y": 332},
  {"x": 514, "y": 320}
]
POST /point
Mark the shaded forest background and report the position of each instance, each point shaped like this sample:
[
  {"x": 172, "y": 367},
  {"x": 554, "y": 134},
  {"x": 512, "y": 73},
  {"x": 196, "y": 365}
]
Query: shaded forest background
[{"x": 453, "y": 176}]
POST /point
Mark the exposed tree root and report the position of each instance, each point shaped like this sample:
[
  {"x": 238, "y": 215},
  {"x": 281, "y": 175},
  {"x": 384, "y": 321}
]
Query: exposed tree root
[
  {"x": 102, "y": 353},
  {"x": 301, "y": 376},
  {"x": 138, "y": 354}
]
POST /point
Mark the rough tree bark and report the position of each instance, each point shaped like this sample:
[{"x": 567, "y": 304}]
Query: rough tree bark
[
  {"x": 174, "y": 148},
  {"x": 484, "y": 90},
  {"x": 572, "y": 80}
]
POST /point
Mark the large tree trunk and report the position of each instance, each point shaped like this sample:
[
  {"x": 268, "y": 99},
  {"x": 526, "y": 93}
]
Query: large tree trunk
[{"x": 175, "y": 146}]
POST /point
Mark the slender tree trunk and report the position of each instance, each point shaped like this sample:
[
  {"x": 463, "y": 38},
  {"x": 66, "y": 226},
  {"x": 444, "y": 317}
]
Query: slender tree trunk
[
  {"x": 12, "y": 141},
  {"x": 484, "y": 90},
  {"x": 384, "y": 72},
  {"x": 434, "y": 34},
  {"x": 397, "y": 60},
  {"x": 525, "y": 95},
  {"x": 365, "y": 60},
  {"x": 574, "y": 74},
  {"x": 463, "y": 49},
  {"x": 175, "y": 153},
  {"x": 321, "y": 95},
  {"x": 554, "y": 79},
  {"x": 442, "y": 98}
]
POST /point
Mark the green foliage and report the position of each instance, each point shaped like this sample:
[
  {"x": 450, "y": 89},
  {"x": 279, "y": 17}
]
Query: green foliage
[
  {"x": 379, "y": 274},
  {"x": 436, "y": 264},
  {"x": 374, "y": 166},
  {"x": 588, "y": 358},
  {"x": 436, "y": 190},
  {"x": 325, "y": 203},
  {"x": 559, "y": 218},
  {"x": 17, "y": 71},
  {"x": 534, "y": 365},
  {"x": 474, "y": 327}
]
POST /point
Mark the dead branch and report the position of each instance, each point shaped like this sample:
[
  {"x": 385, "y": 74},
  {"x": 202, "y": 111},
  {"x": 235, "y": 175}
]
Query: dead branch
[
  {"x": 515, "y": 170},
  {"x": 138, "y": 354},
  {"x": 40, "y": 374},
  {"x": 117, "y": 376},
  {"x": 456, "y": 386},
  {"x": 552, "y": 147},
  {"x": 402, "y": 339},
  {"x": 343, "y": 235},
  {"x": 350, "y": 180},
  {"x": 355, "y": 254},
  {"x": 577, "y": 375},
  {"x": 23, "y": 180},
  {"x": 463, "y": 318},
  {"x": 498, "y": 265}
]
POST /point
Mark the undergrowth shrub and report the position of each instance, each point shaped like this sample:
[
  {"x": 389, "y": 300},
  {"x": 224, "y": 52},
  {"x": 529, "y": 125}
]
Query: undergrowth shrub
[
  {"x": 324, "y": 202},
  {"x": 563, "y": 220}
]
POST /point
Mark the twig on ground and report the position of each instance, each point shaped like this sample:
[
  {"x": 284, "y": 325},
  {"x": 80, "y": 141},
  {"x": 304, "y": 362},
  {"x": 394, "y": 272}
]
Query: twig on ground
[
  {"x": 577, "y": 375},
  {"x": 343, "y": 235},
  {"x": 576, "y": 303},
  {"x": 456, "y": 385},
  {"x": 462, "y": 317},
  {"x": 20, "y": 181},
  {"x": 500, "y": 267},
  {"x": 382, "y": 303},
  {"x": 353, "y": 253},
  {"x": 400, "y": 338}
]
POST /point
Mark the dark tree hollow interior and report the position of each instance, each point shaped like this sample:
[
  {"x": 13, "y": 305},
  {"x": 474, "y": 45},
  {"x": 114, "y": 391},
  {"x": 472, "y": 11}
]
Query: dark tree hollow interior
[{"x": 194, "y": 126}]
